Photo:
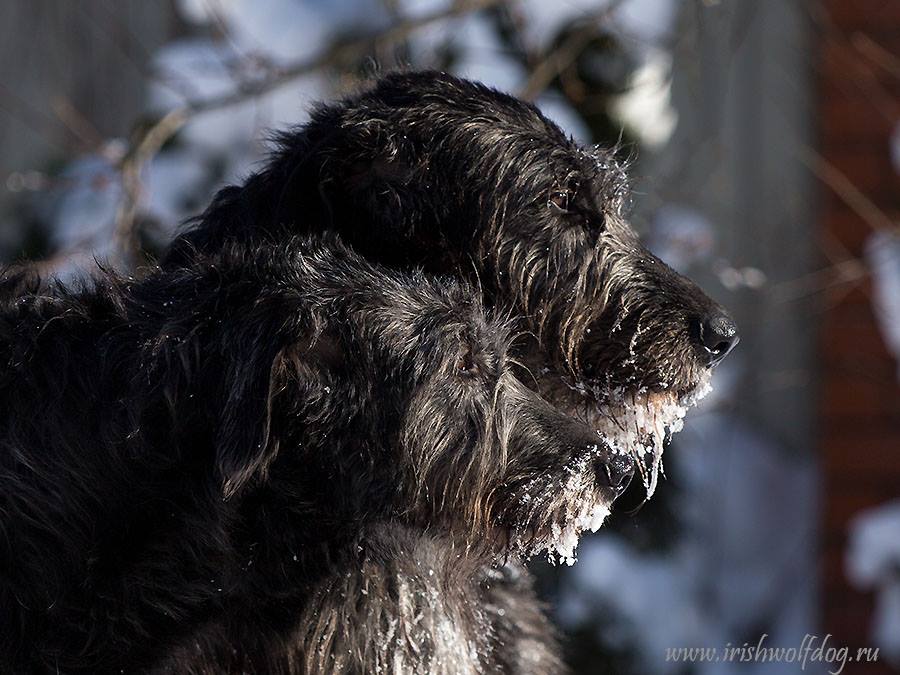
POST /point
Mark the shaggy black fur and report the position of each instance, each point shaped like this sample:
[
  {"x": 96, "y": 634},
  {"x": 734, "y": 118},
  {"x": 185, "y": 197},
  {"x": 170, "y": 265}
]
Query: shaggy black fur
[
  {"x": 429, "y": 170},
  {"x": 274, "y": 459}
]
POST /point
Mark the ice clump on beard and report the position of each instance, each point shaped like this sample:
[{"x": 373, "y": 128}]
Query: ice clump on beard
[
  {"x": 639, "y": 424},
  {"x": 633, "y": 423}
]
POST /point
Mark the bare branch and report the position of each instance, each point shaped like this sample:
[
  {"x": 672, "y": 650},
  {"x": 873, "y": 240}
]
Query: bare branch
[
  {"x": 876, "y": 53},
  {"x": 125, "y": 240},
  {"x": 564, "y": 55},
  {"x": 844, "y": 188},
  {"x": 345, "y": 52},
  {"x": 40, "y": 123},
  {"x": 845, "y": 272},
  {"x": 75, "y": 122}
]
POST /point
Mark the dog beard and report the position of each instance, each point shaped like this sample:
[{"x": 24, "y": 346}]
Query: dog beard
[
  {"x": 635, "y": 424},
  {"x": 639, "y": 424}
]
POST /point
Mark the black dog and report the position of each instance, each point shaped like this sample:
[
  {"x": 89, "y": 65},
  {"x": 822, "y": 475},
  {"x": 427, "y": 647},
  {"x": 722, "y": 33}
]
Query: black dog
[
  {"x": 277, "y": 458},
  {"x": 427, "y": 170}
]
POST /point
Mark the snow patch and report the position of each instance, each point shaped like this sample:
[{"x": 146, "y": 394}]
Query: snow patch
[
  {"x": 646, "y": 108},
  {"x": 874, "y": 548},
  {"x": 883, "y": 256},
  {"x": 873, "y": 561}
]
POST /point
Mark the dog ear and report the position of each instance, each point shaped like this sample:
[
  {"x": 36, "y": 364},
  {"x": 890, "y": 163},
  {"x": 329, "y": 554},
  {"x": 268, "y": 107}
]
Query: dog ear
[
  {"x": 365, "y": 180},
  {"x": 373, "y": 172},
  {"x": 259, "y": 364},
  {"x": 244, "y": 444}
]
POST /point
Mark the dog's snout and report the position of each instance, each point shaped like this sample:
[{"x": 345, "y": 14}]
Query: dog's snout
[{"x": 716, "y": 335}]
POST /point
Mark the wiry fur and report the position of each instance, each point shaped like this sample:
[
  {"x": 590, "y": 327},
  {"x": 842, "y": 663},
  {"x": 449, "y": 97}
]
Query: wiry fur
[{"x": 194, "y": 462}]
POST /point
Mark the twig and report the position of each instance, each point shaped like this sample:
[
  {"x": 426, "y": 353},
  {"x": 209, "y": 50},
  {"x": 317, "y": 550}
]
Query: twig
[
  {"x": 76, "y": 123},
  {"x": 844, "y": 188},
  {"x": 41, "y": 124},
  {"x": 876, "y": 53},
  {"x": 847, "y": 271},
  {"x": 348, "y": 51},
  {"x": 561, "y": 57},
  {"x": 125, "y": 240},
  {"x": 556, "y": 62},
  {"x": 864, "y": 80}
]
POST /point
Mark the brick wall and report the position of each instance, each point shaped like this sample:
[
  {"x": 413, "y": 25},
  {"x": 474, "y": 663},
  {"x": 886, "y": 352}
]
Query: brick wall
[{"x": 859, "y": 106}]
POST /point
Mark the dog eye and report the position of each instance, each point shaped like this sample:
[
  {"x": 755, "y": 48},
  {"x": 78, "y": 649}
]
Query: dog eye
[{"x": 560, "y": 200}]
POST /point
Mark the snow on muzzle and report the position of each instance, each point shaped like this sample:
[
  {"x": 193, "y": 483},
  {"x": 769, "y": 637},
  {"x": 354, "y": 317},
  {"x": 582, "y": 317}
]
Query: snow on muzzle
[
  {"x": 638, "y": 425},
  {"x": 631, "y": 428}
]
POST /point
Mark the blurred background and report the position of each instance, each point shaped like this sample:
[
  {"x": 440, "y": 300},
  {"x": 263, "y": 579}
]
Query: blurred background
[{"x": 765, "y": 136}]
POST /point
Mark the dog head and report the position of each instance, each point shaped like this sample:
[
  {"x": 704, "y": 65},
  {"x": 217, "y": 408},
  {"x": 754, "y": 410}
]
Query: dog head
[{"x": 482, "y": 453}]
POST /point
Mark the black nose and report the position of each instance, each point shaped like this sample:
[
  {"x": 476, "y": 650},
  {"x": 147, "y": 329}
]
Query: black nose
[
  {"x": 716, "y": 335},
  {"x": 615, "y": 472}
]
